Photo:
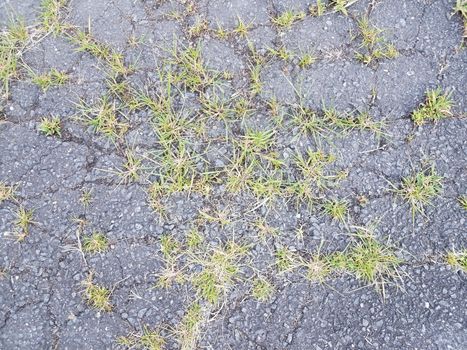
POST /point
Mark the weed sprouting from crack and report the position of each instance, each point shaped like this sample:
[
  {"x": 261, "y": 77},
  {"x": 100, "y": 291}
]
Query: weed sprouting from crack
[
  {"x": 24, "y": 220},
  {"x": 342, "y": 5},
  {"x": 12, "y": 43},
  {"x": 306, "y": 60},
  {"x": 95, "y": 243},
  {"x": 96, "y": 296},
  {"x": 317, "y": 9},
  {"x": 262, "y": 290},
  {"x": 188, "y": 331},
  {"x": 462, "y": 201},
  {"x": 286, "y": 260},
  {"x": 50, "y": 15},
  {"x": 287, "y": 18},
  {"x": 171, "y": 250},
  {"x": 242, "y": 28},
  {"x": 461, "y": 8},
  {"x": 50, "y": 126},
  {"x": 86, "y": 198},
  {"x": 149, "y": 339},
  {"x": 50, "y": 79},
  {"x": 419, "y": 190},
  {"x": 372, "y": 261},
  {"x": 336, "y": 209},
  {"x": 437, "y": 106},
  {"x": 374, "y": 45},
  {"x": 457, "y": 259},
  {"x": 318, "y": 268},
  {"x": 104, "y": 118},
  {"x": 281, "y": 53},
  {"x": 200, "y": 27},
  {"x": 220, "y": 268},
  {"x": 7, "y": 193}
]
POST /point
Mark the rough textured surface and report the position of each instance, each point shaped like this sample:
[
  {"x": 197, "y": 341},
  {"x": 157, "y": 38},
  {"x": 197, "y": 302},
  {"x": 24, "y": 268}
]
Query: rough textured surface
[{"x": 41, "y": 278}]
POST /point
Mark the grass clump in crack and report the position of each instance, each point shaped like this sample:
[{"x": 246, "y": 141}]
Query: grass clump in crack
[
  {"x": 51, "y": 126},
  {"x": 373, "y": 47},
  {"x": 336, "y": 209},
  {"x": 371, "y": 261},
  {"x": 23, "y": 222},
  {"x": 287, "y": 18},
  {"x": 6, "y": 192},
  {"x": 461, "y": 8},
  {"x": 149, "y": 339},
  {"x": 262, "y": 289},
  {"x": 220, "y": 269},
  {"x": 188, "y": 331},
  {"x": 457, "y": 259},
  {"x": 51, "y": 17},
  {"x": 171, "y": 250},
  {"x": 437, "y": 106},
  {"x": 12, "y": 42},
  {"x": 97, "y": 296},
  {"x": 52, "y": 78},
  {"x": 104, "y": 118},
  {"x": 95, "y": 243},
  {"x": 420, "y": 189}
]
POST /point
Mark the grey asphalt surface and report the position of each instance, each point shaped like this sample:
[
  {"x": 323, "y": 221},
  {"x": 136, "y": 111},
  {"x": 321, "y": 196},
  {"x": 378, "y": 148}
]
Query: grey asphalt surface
[{"x": 41, "y": 304}]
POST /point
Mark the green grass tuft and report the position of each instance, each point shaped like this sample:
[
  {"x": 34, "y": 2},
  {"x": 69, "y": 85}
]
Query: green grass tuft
[
  {"x": 437, "y": 106},
  {"x": 51, "y": 126},
  {"x": 96, "y": 243},
  {"x": 420, "y": 189}
]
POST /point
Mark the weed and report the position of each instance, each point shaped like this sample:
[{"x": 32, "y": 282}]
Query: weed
[
  {"x": 103, "y": 118},
  {"x": 191, "y": 71},
  {"x": 437, "y": 106},
  {"x": 318, "y": 9},
  {"x": 420, "y": 189},
  {"x": 462, "y": 200},
  {"x": 282, "y": 53},
  {"x": 286, "y": 260},
  {"x": 256, "y": 85},
  {"x": 131, "y": 167},
  {"x": 371, "y": 261},
  {"x": 86, "y": 198},
  {"x": 97, "y": 296},
  {"x": 308, "y": 121},
  {"x": 287, "y": 18},
  {"x": 461, "y": 7},
  {"x": 307, "y": 60},
  {"x": 313, "y": 166},
  {"x": 52, "y": 78},
  {"x": 318, "y": 268},
  {"x": 188, "y": 330},
  {"x": 198, "y": 28},
  {"x": 171, "y": 251},
  {"x": 96, "y": 243},
  {"x": 50, "y": 126},
  {"x": 194, "y": 239},
  {"x": 6, "y": 192},
  {"x": 221, "y": 32},
  {"x": 457, "y": 259},
  {"x": 24, "y": 219},
  {"x": 50, "y": 15},
  {"x": 374, "y": 43},
  {"x": 264, "y": 230},
  {"x": 336, "y": 209},
  {"x": 262, "y": 289},
  {"x": 241, "y": 29},
  {"x": 342, "y": 5},
  {"x": 149, "y": 339},
  {"x": 12, "y": 42},
  {"x": 220, "y": 268}
]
